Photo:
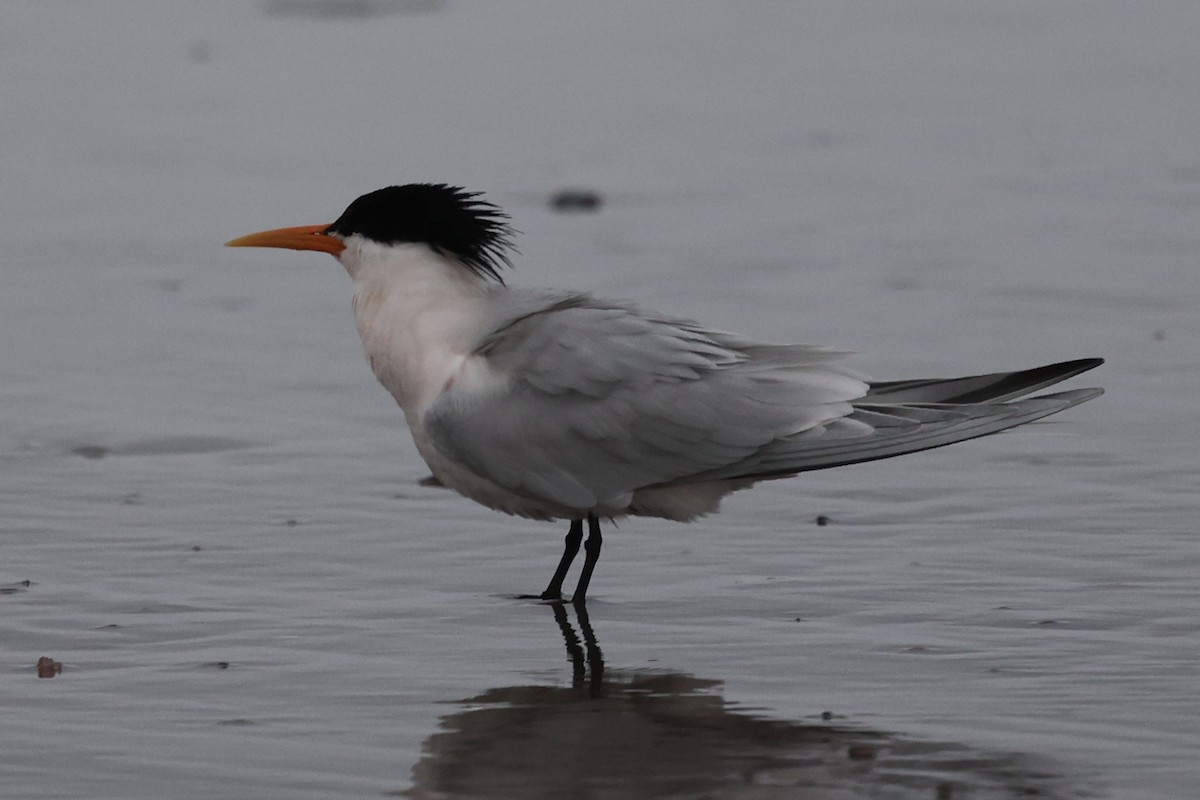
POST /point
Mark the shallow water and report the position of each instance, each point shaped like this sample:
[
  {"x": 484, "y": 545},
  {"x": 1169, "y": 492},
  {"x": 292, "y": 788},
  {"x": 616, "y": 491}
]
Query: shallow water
[{"x": 211, "y": 516}]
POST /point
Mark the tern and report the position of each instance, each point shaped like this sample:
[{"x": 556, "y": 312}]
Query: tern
[{"x": 565, "y": 406}]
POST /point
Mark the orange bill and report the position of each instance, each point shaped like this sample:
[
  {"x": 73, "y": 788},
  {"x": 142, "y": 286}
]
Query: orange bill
[{"x": 304, "y": 237}]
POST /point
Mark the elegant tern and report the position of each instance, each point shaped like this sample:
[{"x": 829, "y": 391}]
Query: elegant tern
[{"x": 561, "y": 405}]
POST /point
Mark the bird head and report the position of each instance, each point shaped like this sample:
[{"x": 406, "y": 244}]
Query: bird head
[{"x": 448, "y": 219}]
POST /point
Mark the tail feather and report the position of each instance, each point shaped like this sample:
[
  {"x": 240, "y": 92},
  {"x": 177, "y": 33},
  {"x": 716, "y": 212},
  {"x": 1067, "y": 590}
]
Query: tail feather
[
  {"x": 993, "y": 388},
  {"x": 899, "y": 417},
  {"x": 942, "y": 426}
]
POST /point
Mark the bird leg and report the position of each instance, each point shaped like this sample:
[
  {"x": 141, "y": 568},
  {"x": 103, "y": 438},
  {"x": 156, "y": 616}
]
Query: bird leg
[
  {"x": 570, "y": 548},
  {"x": 591, "y": 549}
]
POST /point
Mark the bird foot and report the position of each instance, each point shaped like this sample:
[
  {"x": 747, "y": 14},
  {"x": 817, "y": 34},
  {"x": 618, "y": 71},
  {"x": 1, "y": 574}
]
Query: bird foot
[{"x": 545, "y": 597}]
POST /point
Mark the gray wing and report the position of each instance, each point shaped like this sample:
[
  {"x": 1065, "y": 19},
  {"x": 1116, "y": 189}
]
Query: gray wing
[
  {"x": 898, "y": 417},
  {"x": 581, "y": 403},
  {"x": 884, "y": 431}
]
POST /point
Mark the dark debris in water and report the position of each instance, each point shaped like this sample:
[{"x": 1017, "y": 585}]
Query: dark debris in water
[
  {"x": 576, "y": 200},
  {"x": 13, "y": 588},
  {"x": 47, "y": 667}
]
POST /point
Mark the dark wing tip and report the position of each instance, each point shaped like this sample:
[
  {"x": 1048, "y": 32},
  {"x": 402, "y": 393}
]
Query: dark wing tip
[{"x": 997, "y": 386}]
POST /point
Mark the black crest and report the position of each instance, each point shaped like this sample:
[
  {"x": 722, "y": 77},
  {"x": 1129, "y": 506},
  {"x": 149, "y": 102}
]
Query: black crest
[{"x": 449, "y": 219}]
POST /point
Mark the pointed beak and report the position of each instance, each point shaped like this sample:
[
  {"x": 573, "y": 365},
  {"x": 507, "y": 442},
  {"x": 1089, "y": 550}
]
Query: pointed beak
[{"x": 304, "y": 237}]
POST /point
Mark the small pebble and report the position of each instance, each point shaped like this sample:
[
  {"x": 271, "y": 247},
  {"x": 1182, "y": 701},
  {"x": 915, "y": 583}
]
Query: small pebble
[{"x": 47, "y": 667}]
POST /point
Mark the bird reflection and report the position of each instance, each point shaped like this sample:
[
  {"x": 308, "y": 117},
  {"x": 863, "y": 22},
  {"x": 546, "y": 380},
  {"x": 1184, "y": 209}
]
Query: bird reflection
[
  {"x": 584, "y": 658},
  {"x": 650, "y": 734}
]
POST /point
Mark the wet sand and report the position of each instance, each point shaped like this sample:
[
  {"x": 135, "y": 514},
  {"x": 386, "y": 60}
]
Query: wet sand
[{"x": 222, "y": 577}]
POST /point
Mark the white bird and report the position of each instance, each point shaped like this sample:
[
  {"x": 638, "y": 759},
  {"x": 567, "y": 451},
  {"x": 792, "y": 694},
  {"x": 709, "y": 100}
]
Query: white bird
[{"x": 560, "y": 405}]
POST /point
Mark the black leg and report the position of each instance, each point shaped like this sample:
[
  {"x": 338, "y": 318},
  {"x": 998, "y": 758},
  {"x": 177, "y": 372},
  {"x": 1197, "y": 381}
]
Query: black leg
[
  {"x": 570, "y": 548},
  {"x": 591, "y": 549}
]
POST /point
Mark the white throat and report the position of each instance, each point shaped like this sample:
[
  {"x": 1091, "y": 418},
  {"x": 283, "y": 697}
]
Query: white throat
[{"x": 418, "y": 313}]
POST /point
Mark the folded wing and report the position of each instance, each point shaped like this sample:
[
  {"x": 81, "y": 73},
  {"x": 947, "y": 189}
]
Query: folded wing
[{"x": 583, "y": 402}]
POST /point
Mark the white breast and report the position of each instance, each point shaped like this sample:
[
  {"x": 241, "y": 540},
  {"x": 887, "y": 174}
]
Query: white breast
[{"x": 418, "y": 314}]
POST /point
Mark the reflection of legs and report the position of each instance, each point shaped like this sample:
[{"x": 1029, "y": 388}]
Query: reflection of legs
[
  {"x": 595, "y": 658},
  {"x": 571, "y": 547},
  {"x": 581, "y": 663},
  {"x": 574, "y": 651},
  {"x": 591, "y": 550}
]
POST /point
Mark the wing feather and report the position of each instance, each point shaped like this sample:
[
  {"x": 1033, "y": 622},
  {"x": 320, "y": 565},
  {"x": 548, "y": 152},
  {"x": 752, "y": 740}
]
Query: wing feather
[
  {"x": 873, "y": 432},
  {"x": 586, "y": 402},
  {"x": 995, "y": 387},
  {"x": 581, "y": 403}
]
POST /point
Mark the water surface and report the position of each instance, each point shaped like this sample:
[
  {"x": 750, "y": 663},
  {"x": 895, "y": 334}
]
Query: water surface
[{"x": 211, "y": 516}]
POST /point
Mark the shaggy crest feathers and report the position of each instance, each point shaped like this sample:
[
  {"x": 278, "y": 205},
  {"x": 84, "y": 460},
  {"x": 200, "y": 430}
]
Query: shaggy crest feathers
[{"x": 449, "y": 219}]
